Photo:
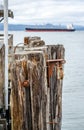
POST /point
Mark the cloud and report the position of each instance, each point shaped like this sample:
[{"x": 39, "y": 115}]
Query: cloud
[{"x": 52, "y": 11}]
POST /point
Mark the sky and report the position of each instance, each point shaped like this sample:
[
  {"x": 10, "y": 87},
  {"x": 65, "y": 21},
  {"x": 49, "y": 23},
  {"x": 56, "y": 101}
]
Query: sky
[{"x": 47, "y": 11}]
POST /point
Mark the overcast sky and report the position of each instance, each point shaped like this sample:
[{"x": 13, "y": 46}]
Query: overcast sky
[{"x": 47, "y": 11}]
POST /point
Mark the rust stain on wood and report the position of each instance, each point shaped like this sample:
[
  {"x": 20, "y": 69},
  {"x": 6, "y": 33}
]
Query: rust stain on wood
[{"x": 37, "y": 87}]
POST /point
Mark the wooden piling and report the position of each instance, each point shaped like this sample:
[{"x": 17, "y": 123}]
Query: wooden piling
[
  {"x": 36, "y": 93},
  {"x": 2, "y": 66},
  {"x": 5, "y": 115}
]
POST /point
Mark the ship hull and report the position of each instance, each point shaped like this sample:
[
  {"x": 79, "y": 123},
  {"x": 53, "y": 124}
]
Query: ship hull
[{"x": 48, "y": 30}]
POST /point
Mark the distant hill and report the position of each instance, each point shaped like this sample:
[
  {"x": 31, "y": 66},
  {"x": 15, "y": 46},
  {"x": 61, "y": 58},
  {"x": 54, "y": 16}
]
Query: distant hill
[
  {"x": 79, "y": 27},
  {"x": 14, "y": 27},
  {"x": 20, "y": 27}
]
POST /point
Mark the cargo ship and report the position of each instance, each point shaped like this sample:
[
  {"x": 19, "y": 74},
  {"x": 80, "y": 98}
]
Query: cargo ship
[{"x": 69, "y": 28}]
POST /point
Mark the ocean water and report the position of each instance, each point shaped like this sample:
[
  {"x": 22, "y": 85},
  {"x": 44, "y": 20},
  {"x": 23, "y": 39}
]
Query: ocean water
[{"x": 73, "y": 83}]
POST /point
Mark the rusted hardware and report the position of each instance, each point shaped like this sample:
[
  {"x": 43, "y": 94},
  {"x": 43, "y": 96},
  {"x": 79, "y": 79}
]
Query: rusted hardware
[
  {"x": 25, "y": 83},
  {"x": 51, "y": 122},
  {"x": 55, "y": 61},
  {"x": 58, "y": 63}
]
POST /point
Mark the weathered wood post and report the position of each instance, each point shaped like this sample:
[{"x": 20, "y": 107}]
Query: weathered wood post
[
  {"x": 36, "y": 94},
  {"x": 55, "y": 78},
  {"x": 2, "y": 76},
  {"x": 4, "y": 120}
]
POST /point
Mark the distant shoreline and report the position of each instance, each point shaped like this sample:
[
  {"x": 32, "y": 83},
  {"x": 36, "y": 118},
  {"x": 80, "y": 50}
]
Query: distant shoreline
[{"x": 21, "y": 27}]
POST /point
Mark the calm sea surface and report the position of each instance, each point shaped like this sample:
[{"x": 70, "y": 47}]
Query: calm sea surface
[{"x": 73, "y": 85}]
